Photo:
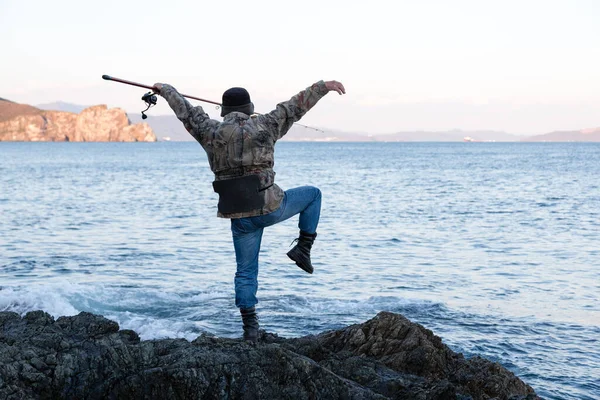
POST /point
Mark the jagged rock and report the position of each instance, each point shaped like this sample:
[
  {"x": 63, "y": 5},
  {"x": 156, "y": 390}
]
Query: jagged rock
[
  {"x": 94, "y": 124},
  {"x": 421, "y": 363},
  {"x": 388, "y": 357}
]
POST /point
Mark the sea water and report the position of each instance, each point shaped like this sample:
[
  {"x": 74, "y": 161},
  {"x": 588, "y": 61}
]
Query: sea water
[{"x": 493, "y": 246}]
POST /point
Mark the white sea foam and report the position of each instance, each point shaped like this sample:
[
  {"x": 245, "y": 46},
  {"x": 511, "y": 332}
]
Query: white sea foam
[
  {"x": 149, "y": 327},
  {"x": 156, "y": 314},
  {"x": 153, "y": 314},
  {"x": 51, "y": 299}
]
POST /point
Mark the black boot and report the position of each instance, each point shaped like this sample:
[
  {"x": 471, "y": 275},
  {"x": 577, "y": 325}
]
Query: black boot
[
  {"x": 250, "y": 320},
  {"x": 300, "y": 253}
]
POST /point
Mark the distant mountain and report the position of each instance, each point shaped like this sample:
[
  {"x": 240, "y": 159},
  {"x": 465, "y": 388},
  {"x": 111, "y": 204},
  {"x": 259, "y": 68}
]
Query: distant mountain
[
  {"x": 168, "y": 127},
  {"x": 299, "y": 133},
  {"x": 448, "y": 136},
  {"x": 62, "y": 106},
  {"x": 584, "y": 135}
]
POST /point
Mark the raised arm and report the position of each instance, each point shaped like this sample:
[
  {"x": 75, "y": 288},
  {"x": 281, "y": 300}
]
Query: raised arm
[
  {"x": 194, "y": 119},
  {"x": 286, "y": 113}
]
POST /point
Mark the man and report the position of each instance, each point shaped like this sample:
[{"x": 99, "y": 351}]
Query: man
[{"x": 240, "y": 152}]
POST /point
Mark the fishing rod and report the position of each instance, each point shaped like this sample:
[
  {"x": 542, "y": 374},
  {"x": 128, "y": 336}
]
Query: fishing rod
[{"x": 150, "y": 98}]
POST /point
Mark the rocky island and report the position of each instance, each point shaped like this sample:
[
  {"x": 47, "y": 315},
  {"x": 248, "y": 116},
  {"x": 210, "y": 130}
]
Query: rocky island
[
  {"x": 25, "y": 123},
  {"x": 387, "y": 357}
]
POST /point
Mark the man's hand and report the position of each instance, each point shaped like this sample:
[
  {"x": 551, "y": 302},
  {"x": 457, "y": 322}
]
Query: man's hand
[
  {"x": 156, "y": 87},
  {"x": 335, "y": 85}
]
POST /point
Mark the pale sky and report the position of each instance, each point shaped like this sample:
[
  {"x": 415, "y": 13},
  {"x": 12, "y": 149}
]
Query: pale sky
[{"x": 523, "y": 66}]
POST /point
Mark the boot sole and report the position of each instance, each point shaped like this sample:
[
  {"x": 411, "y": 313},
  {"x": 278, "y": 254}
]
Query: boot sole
[{"x": 305, "y": 268}]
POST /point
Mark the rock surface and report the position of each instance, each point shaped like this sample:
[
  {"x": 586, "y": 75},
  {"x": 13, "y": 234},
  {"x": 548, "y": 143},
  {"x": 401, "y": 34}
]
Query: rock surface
[
  {"x": 387, "y": 357},
  {"x": 22, "y": 123}
]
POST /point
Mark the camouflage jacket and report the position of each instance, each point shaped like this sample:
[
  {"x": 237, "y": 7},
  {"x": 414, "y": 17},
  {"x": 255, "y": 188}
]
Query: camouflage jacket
[{"x": 243, "y": 145}]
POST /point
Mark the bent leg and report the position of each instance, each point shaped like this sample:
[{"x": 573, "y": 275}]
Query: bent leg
[
  {"x": 304, "y": 200},
  {"x": 309, "y": 219}
]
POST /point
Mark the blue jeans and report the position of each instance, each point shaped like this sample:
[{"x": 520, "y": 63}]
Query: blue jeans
[{"x": 247, "y": 234}]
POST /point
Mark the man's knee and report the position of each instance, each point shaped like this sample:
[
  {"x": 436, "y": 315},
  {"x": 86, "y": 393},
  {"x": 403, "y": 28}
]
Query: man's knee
[{"x": 316, "y": 192}]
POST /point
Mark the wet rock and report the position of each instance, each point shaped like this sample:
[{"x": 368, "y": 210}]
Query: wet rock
[{"x": 387, "y": 357}]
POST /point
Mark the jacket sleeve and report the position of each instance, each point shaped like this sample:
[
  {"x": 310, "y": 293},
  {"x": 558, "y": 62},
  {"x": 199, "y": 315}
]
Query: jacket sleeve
[
  {"x": 195, "y": 120},
  {"x": 281, "y": 119}
]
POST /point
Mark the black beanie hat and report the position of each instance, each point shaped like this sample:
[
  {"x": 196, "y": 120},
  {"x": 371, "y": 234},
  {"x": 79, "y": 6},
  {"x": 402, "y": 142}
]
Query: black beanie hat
[
  {"x": 236, "y": 96},
  {"x": 236, "y": 99}
]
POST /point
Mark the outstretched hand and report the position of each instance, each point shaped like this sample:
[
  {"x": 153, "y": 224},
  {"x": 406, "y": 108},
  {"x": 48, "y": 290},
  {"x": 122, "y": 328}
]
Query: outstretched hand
[
  {"x": 156, "y": 87},
  {"x": 335, "y": 85}
]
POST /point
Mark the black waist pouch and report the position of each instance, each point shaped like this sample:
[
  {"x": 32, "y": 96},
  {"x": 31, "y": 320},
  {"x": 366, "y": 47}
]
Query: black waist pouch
[{"x": 240, "y": 195}]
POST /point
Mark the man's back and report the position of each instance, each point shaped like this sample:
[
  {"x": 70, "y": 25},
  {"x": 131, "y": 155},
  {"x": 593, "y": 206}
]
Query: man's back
[{"x": 240, "y": 141}]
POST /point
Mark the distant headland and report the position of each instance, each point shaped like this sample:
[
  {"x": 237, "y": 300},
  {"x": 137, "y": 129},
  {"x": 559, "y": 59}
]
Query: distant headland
[
  {"x": 25, "y": 123},
  {"x": 97, "y": 123}
]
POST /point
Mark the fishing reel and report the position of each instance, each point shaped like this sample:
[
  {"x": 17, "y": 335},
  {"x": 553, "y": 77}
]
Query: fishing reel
[{"x": 150, "y": 99}]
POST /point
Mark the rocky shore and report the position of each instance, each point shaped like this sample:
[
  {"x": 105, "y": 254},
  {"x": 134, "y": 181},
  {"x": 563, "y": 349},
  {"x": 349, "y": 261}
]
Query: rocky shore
[{"x": 388, "y": 357}]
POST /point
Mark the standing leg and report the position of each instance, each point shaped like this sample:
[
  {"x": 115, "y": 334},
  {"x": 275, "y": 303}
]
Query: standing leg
[{"x": 246, "y": 241}]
